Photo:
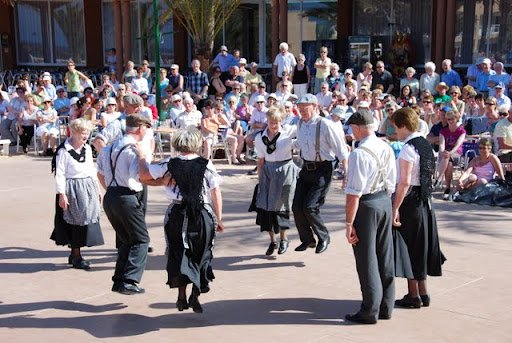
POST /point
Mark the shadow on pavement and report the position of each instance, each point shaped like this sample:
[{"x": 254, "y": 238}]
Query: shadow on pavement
[{"x": 293, "y": 311}]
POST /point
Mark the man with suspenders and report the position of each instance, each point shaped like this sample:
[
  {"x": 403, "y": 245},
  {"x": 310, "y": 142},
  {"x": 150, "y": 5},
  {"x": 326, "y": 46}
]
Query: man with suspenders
[
  {"x": 319, "y": 145},
  {"x": 371, "y": 181},
  {"x": 124, "y": 205}
]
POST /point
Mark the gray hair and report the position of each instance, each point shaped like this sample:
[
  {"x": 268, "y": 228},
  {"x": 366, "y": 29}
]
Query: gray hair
[
  {"x": 80, "y": 124},
  {"x": 187, "y": 140},
  {"x": 301, "y": 57},
  {"x": 276, "y": 113},
  {"x": 410, "y": 69},
  {"x": 430, "y": 65},
  {"x": 283, "y": 45},
  {"x": 335, "y": 66}
]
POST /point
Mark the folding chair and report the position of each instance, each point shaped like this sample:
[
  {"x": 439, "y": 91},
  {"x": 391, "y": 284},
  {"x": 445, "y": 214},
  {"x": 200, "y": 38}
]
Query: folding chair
[{"x": 222, "y": 144}]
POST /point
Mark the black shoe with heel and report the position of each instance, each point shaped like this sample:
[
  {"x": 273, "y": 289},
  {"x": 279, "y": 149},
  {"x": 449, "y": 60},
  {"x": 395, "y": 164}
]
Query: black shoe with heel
[
  {"x": 409, "y": 302},
  {"x": 182, "y": 304},
  {"x": 283, "y": 246},
  {"x": 193, "y": 301},
  {"x": 425, "y": 299},
  {"x": 271, "y": 247}
]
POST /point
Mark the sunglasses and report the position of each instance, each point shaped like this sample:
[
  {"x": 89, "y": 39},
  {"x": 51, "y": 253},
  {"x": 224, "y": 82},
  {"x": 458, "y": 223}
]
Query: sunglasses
[
  {"x": 47, "y": 102},
  {"x": 427, "y": 102},
  {"x": 179, "y": 100},
  {"x": 111, "y": 104},
  {"x": 483, "y": 147},
  {"x": 380, "y": 67},
  {"x": 260, "y": 102},
  {"x": 503, "y": 114},
  {"x": 454, "y": 93},
  {"x": 489, "y": 103}
]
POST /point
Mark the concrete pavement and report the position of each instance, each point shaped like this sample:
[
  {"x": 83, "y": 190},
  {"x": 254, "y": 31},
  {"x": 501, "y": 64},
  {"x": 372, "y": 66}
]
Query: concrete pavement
[{"x": 295, "y": 297}]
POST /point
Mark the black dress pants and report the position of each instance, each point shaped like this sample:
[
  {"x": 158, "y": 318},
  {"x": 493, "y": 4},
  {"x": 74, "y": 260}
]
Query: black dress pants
[
  {"x": 125, "y": 211},
  {"x": 310, "y": 192}
]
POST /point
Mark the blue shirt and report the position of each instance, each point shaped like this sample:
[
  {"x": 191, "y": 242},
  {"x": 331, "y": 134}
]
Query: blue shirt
[
  {"x": 481, "y": 81},
  {"x": 451, "y": 78},
  {"x": 224, "y": 62},
  {"x": 196, "y": 82},
  {"x": 60, "y": 103},
  {"x": 503, "y": 77}
]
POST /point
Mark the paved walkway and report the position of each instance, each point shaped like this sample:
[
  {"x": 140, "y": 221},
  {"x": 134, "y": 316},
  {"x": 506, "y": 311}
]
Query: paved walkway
[{"x": 295, "y": 297}]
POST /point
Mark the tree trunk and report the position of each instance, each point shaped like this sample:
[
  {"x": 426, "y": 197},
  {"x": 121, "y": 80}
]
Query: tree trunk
[{"x": 203, "y": 52}]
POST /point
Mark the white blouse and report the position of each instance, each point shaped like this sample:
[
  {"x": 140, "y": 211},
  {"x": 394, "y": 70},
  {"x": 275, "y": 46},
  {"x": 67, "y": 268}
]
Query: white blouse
[
  {"x": 69, "y": 168},
  {"x": 211, "y": 178},
  {"x": 28, "y": 117},
  {"x": 409, "y": 154},
  {"x": 284, "y": 144}
]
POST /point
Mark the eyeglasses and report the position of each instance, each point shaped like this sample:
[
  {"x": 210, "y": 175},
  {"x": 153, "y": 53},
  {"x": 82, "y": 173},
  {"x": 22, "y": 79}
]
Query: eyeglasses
[
  {"x": 380, "y": 67},
  {"x": 450, "y": 119},
  {"x": 489, "y": 103},
  {"x": 454, "y": 93},
  {"x": 145, "y": 99},
  {"x": 503, "y": 114},
  {"x": 427, "y": 102},
  {"x": 20, "y": 90}
]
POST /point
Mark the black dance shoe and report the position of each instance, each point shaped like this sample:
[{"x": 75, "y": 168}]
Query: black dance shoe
[
  {"x": 70, "y": 259},
  {"x": 283, "y": 246},
  {"x": 358, "y": 318},
  {"x": 182, "y": 304},
  {"x": 408, "y": 302},
  {"x": 79, "y": 263},
  {"x": 271, "y": 247},
  {"x": 115, "y": 286},
  {"x": 425, "y": 299},
  {"x": 305, "y": 245},
  {"x": 322, "y": 246},
  {"x": 130, "y": 289},
  {"x": 150, "y": 249},
  {"x": 193, "y": 301}
]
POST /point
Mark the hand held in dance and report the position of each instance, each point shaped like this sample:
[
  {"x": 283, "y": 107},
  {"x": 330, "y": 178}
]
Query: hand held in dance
[
  {"x": 396, "y": 218},
  {"x": 137, "y": 148},
  {"x": 63, "y": 201},
  {"x": 344, "y": 183},
  {"x": 351, "y": 234}
]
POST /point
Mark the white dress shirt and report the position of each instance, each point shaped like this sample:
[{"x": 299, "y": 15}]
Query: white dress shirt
[
  {"x": 259, "y": 116},
  {"x": 332, "y": 142},
  {"x": 324, "y": 100},
  {"x": 284, "y": 144},
  {"x": 193, "y": 118},
  {"x": 211, "y": 178},
  {"x": 362, "y": 167},
  {"x": 409, "y": 154},
  {"x": 69, "y": 168}
]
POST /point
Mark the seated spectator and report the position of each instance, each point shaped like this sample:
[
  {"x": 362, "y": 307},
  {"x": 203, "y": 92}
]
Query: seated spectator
[
  {"x": 501, "y": 98},
  {"x": 503, "y": 138},
  {"x": 406, "y": 99},
  {"x": 348, "y": 74},
  {"x": 423, "y": 128},
  {"x": 236, "y": 92},
  {"x": 257, "y": 123},
  {"x": 482, "y": 169},
  {"x": 176, "y": 108},
  {"x": 465, "y": 92},
  {"x": 291, "y": 118},
  {"x": 233, "y": 79},
  {"x": 216, "y": 85},
  {"x": 439, "y": 123},
  {"x": 110, "y": 114},
  {"x": 427, "y": 110},
  {"x": 130, "y": 73},
  {"x": 189, "y": 117},
  {"x": 450, "y": 150},
  {"x": 387, "y": 128},
  {"x": 483, "y": 77},
  {"x": 176, "y": 80},
  {"x": 284, "y": 92},
  {"x": 456, "y": 103},
  {"x": 491, "y": 110},
  {"x": 48, "y": 128},
  {"x": 410, "y": 80},
  {"x": 430, "y": 79},
  {"x": 450, "y": 76},
  {"x": 152, "y": 107},
  {"x": 252, "y": 78},
  {"x": 441, "y": 89},
  {"x": 164, "y": 82},
  {"x": 501, "y": 76},
  {"x": 335, "y": 80},
  {"x": 271, "y": 100},
  {"x": 26, "y": 121},
  {"x": 350, "y": 93},
  {"x": 242, "y": 113},
  {"x": 261, "y": 91},
  {"x": 62, "y": 104},
  {"x": 140, "y": 83}
]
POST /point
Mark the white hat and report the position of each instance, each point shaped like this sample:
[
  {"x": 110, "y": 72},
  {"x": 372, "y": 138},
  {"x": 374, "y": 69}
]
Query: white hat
[
  {"x": 260, "y": 98},
  {"x": 363, "y": 88},
  {"x": 46, "y": 73},
  {"x": 73, "y": 100},
  {"x": 223, "y": 48},
  {"x": 175, "y": 97},
  {"x": 486, "y": 61},
  {"x": 288, "y": 104},
  {"x": 58, "y": 88},
  {"x": 175, "y": 66},
  {"x": 242, "y": 61},
  {"x": 254, "y": 64},
  {"x": 185, "y": 95},
  {"x": 339, "y": 111},
  {"x": 348, "y": 71},
  {"x": 45, "y": 99},
  {"x": 272, "y": 95},
  {"x": 111, "y": 101},
  {"x": 47, "y": 77},
  {"x": 364, "y": 104}
]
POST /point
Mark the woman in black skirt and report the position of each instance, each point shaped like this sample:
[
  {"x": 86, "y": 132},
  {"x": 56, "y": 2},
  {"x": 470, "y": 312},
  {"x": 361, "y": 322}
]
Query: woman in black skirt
[
  {"x": 77, "y": 203},
  {"x": 417, "y": 252},
  {"x": 277, "y": 175},
  {"x": 193, "y": 217}
]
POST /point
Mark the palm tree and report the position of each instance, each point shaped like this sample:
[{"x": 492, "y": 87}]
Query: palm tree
[{"x": 203, "y": 20}]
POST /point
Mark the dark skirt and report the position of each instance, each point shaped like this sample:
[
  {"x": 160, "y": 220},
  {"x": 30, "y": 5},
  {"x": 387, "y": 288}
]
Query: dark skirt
[
  {"x": 74, "y": 235},
  {"x": 192, "y": 264},
  {"x": 272, "y": 220},
  {"x": 417, "y": 252}
]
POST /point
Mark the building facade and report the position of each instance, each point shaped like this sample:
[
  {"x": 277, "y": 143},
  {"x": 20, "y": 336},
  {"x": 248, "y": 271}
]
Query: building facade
[{"x": 47, "y": 33}]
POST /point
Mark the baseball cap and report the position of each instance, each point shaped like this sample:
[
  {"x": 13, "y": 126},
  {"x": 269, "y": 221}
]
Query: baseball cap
[
  {"x": 272, "y": 95},
  {"x": 175, "y": 66},
  {"x": 479, "y": 60},
  {"x": 288, "y": 104},
  {"x": 361, "y": 117},
  {"x": 242, "y": 61},
  {"x": 500, "y": 85},
  {"x": 260, "y": 98},
  {"x": 364, "y": 104},
  {"x": 73, "y": 100},
  {"x": 446, "y": 108},
  {"x": 111, "y": 101},
  {"x": 349, "y": 71},
  {"x": 308, "y": 99},
  {"x": 223, "y": 48},
  {"x": 136, "y": 120},
  {"x": 339, "y": 111},
  {"x": 60, "y": 88},
  {"x": 132, "y": 99},
  {"x": 262, "y": 85},
  {"x": 486, "y": 61},
  {"x": 175, "y": 97},
  {"x": 46, "y": 98},
  {"x": 47, "y": 78}
]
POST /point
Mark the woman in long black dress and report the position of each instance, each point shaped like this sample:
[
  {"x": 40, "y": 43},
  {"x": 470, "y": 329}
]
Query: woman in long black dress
[
  {"x": 193, "y": 217},
  {"x": 417, "y": 252},
  {"x": 77, "y": 203}
]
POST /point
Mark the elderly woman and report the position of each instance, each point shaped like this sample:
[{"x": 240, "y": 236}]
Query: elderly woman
[
  {"x": 77, "y": 204},
  {"x": 387, "y": 128},
  {"x": 410, "y": 80},
  {"x": 335, "y": 80},
  {"x": 430, "y": 79},
  {"x": 450, "y": 150},
  {"x": 301, "y": 76},
  {"x": 48, "y": 127},
  {"x": 26, "y": 121},
  {"x": 277, "y": 175},
  {"x": 110, "y": 114},
  {"x": 482, "y": 168},
  {"x": 193, "y": 217},
  {"x": 417, "y": 252}
]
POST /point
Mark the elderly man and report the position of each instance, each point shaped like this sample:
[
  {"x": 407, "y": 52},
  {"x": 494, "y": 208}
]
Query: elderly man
[
  {"x": 252, "y": 77},
  {"x": 62, "y": 104},
  {"x": 450, "y": 76},
  {"x": 175, "y": 80},
  {"x": 499, "y": 94},
  {"x": 503, "y": 138},
  {"x": 284, "y": 61},
  {"x": 233, "y": 78},
  {"x": 176, "y": 109},
  {"x": 189, "y": 117},
  {"x": 382, "y": 77},
  {"x": 223, "y": 59},
  {"x": 371, "y": 181},
  {"x": 483, "y": 77},
  {"x": 473, "y": 71},
  {"x": 324, "y": 97},
  {"x": 262, "y": 87},
  {"x": 198, "y": 84},
  {"x": 124, "y": 204},
  {"x": 49, "y": 89},
  {"x": 500, "y": 76},
  {"x": 320, "y": 144}
]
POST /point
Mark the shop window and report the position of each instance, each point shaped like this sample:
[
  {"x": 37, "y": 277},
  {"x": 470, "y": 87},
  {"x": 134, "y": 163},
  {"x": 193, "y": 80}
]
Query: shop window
[{"x": 50, "y": 32}]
